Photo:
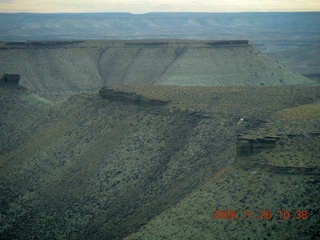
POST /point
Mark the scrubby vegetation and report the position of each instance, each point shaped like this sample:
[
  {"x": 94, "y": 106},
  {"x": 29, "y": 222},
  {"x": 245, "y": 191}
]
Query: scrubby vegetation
[{"x": 95, "y": 168}]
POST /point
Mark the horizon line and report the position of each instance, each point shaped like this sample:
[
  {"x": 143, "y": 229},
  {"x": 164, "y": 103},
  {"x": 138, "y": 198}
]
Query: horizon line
[{"x": 175, "y": 12}]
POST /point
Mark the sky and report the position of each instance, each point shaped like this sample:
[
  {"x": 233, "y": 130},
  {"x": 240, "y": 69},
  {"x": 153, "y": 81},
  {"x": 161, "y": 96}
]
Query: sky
[{"x": 143, "y": 6}]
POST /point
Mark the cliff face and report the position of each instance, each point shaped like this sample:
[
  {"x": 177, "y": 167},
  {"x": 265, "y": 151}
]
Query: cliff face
[
  {"x": 63, "y": 68},
  {"x": 247, "y": 146}
]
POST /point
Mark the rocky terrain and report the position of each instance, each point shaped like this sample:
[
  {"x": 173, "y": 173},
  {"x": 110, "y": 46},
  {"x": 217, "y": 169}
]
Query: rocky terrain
[
  {"x": 58, "y": 69},
  {"x": 154, "y": 162}
]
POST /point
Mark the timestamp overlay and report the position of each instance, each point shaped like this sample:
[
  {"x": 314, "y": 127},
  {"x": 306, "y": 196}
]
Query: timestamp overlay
[{"x": 265, "y": 214}]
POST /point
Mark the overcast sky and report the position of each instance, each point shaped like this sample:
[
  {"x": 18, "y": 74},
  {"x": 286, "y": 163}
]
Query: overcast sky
[{"x": 143, "y": 6}]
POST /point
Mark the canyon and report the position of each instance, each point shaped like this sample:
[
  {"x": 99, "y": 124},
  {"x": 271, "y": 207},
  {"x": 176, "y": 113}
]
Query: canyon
[{"x": 145, "y": 139}]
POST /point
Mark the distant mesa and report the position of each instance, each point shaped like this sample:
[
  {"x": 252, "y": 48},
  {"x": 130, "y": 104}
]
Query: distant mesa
[
  {"x": 59, "y": 69},
  {"x": 129, "y": 97},
  {"x": 191, "y": 63}
]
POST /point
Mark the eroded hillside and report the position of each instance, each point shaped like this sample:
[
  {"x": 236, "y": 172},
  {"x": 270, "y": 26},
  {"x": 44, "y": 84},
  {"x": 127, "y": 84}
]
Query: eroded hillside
[{"x": 152, "y": 162}]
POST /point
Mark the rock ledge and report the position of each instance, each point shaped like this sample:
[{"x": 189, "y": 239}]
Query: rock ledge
[{"x": 129, "y": 97}]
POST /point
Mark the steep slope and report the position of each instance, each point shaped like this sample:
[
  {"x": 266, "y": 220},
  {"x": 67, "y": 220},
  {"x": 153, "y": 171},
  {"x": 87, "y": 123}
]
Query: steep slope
[
  {"x": 154, "y": 161},
  {"x": 21, "y": 111},
  {"x": 59, "y": 69}
]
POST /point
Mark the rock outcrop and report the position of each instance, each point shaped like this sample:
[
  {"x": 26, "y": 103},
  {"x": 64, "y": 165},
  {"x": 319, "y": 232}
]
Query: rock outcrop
[
  {"x": 10, "y": 79},
  {"x": 279, "y": 154},
  {"x": 129, "y": 97},
  {"x": 248, "y": 145}
]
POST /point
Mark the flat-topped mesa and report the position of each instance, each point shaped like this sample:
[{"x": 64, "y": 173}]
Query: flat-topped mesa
[
  {"x": 151, "y": 62},
  {"x": 129, "y": 97}
]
